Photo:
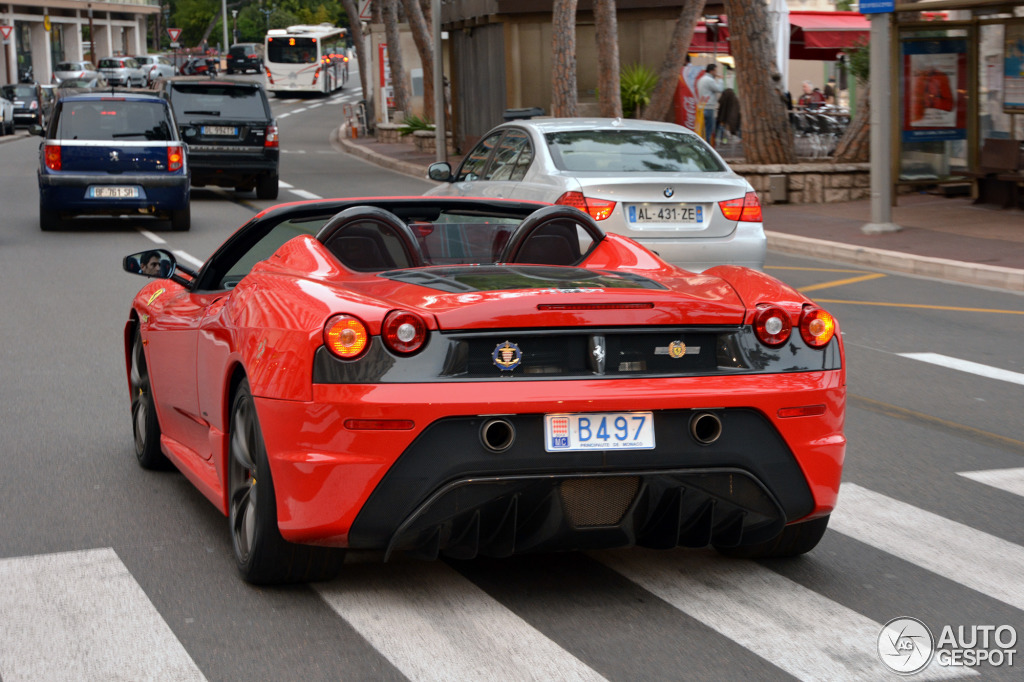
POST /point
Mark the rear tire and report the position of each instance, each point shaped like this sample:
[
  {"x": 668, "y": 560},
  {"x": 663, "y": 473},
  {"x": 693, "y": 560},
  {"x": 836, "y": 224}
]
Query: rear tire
[
  {"x": 267, "y": 187},
  {"x": 145, "y": 426},
  {"x": 263, "y": 557},
  {"x": 48, "y": 220},
  {"x": 794, "y": 540},
  {"x": 181, "y": 220}
]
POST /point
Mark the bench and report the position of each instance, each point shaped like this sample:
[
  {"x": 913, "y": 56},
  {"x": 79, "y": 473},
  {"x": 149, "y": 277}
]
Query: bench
[{"x": 998, "y": 175}]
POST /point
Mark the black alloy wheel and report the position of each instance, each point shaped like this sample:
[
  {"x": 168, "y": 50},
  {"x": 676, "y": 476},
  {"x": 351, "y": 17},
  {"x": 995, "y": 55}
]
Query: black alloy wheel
[{"x": 145, "y": 426}]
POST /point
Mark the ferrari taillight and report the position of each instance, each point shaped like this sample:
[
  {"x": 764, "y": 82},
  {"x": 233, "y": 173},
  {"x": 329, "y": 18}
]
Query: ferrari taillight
[
  {"x": 346, "y": 337},
  {"x": 746, "y": 209},
  {"x": 52, "y": 156},
  {"x": 598, "y": 209},
  {"x": 772, "y": 325},
  {"x": 175, "y": 158},
  {"x": 403, "y": 332},
  {"x": 817, "y": 327},
  {"x": 270, "y": 137}
]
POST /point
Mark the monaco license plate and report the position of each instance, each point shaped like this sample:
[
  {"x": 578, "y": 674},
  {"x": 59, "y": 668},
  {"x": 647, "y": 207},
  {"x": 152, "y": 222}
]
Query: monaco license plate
[
  {"x": 664, "y": 213},
  {"x": 219, "y": 130},
  {"x": 599, "y": 431},
  {"x": 114, "y": 192}
]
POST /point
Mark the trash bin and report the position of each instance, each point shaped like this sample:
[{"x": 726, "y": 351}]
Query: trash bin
[{"x": 518, "y": 114}]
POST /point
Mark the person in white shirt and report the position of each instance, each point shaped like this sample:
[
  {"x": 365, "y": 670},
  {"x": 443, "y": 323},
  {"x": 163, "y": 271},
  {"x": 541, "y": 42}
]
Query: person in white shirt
[{"x": 708, "y": 89}]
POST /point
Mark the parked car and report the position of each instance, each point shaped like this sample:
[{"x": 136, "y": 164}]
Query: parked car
[
  {"x": 242, "y": 57},
  {"x": 465, "y": 377},
  {"x": 112, "y": 154},
  {"x": 122, "y": 71},
  {"x": 79, "y": 69},
  {"x": 658, "y": 183},
  {"x": 80, "y": 84},
  {"x": 199, "y": 66},
  {"x": 6, "y": 116},
  {"x": 29, "y": 103},
  {"x": 155, "y": 66},
  {"x": 232, "y": 136}
]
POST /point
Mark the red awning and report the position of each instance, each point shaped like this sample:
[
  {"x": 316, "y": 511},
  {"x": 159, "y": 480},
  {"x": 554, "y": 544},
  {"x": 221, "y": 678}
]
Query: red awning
[
  {"x": 823, "y": 35},
  {"x": 702, "y": 42}
]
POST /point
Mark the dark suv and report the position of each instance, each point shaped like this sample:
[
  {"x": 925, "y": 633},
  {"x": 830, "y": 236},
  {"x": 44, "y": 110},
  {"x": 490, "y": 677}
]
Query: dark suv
[
  {"x": 245, "y": 56},
  {"x": 231, "y": 135}
]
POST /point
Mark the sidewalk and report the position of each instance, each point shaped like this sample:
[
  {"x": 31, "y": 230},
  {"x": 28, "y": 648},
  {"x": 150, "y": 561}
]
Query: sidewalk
[{"x": 944, "y": 238}]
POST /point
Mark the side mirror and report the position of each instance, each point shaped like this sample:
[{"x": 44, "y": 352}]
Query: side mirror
[
  {"x": 158, "y": 263},
  {"x": 36, "y": 129},
  {"x": 440, "y": 171}
]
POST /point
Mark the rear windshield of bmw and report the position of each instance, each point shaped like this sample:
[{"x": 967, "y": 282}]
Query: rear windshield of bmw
[
  {"x": 113, "y": 119},
  {"x": 630, "y": 151}
]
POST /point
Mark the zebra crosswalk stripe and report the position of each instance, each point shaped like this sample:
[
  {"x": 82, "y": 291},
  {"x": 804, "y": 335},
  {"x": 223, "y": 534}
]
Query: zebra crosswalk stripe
[
  {"x": 794, "y": 628},
  {"x": 81, "y": 616},
  {"x": 948, "y": 548},
  {"x": 434, "y": 624},
  {"x": 1010, "y": 480}
]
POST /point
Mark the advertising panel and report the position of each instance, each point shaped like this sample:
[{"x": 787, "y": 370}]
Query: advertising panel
[{"x": 934, "y": 83}]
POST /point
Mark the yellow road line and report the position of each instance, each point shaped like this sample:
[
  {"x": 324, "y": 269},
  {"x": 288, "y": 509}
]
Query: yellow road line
[
  {"x": 841, "y": 282},
  {"x": 922, "y": 306},
  {"x": 787, "y": 267}
]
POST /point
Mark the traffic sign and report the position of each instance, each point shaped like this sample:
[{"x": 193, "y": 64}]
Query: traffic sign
[
  {"x": 174, "y": 33},
  {"x": 5, "y": 32},
  {"x": 365, "y": 14}
]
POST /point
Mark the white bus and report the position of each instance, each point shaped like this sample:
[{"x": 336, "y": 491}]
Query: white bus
[{"x": 306, "y": 59}]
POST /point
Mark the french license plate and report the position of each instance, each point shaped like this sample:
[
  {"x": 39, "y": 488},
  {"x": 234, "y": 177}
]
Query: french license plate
[
  {"x": 219, "y": 130},
  {"x": 599, "y": 431},
  {"x": 115, "y": 192},
  {"x": 665, "y": 213}
]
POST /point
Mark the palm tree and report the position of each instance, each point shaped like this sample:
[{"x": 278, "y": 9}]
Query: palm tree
[
  {"x": 563, "y": 76},
  {"x": 422, "y": 36},
  {"x": 607, "y": 58},
  {"x": 668, "y": 75},
  {"x": 390, "y": 17}
]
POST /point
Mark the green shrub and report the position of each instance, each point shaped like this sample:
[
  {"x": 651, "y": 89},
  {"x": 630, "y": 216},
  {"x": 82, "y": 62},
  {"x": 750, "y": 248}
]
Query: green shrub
[
  {"x": 411, "y": 124},
  {"x": 636, "y": 83}
]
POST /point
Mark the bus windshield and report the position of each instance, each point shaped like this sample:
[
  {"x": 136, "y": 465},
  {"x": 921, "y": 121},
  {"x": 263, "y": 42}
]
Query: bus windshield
[{"x": 289, "y": 50}]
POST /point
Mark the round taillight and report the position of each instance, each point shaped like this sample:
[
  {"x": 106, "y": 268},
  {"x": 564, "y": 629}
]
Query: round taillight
[
  {"x": 346, "y": 337},
  {"x": 772, "y": 325},
  {"x": 817, "y": 327},
  {"x": 404, "y": 332}
]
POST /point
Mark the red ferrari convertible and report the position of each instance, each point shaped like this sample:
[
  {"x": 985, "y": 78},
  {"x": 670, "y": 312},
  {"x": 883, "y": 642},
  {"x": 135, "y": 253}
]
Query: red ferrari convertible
[{"x": 456, "y": 376}]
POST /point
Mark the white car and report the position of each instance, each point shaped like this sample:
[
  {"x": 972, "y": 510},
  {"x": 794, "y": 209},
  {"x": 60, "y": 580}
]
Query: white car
[
  {"x": 6, "y": 116},
  {"x": 657, "y": 183},
  {"x": 155, "y": 66},
  {"x": 122, "y": 71},
  {"x": 77, "y": 69}
]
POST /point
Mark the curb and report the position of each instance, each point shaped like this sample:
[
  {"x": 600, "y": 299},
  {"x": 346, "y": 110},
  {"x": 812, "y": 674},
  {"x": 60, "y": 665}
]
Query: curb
[{"x": 896, "y": 261}]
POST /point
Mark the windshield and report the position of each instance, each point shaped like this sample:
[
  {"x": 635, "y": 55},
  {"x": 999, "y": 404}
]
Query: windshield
[
  {"x": 72, "y": 66},
  {"x": 630, "y": 151},
  {"x": 109, "y": 120},
  {"x": 202, "y": 100},
  {"x": 287, "y": 50},
  {"x": 112, "y": 64},
  {"x": 19, "y": 91}
]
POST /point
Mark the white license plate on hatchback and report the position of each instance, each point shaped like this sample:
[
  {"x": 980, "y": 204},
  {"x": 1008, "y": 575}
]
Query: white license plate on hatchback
[
  {"x": 114, "y": 192},
  {"x": 640, "y": 214},
  {"x": 219, "y": 130},
  {"x": 599, "y": 431}
]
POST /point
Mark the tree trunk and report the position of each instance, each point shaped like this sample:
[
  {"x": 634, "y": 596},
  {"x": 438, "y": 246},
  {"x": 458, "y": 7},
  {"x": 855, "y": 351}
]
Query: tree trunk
[
  {"x": 668, "y": 75},
  {"x": 563, "y": 81},
  {"x": 766, "y": 133},
  {"x": 390, "y": 12},
  {"x": 356, "y": 29},
  {"x": 423, "y": 37},
  {"x": 606, "y": 23},
  {"x": 855, "y": 145}
]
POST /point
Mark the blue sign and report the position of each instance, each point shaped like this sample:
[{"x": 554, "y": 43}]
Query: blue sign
[{"x": 876, "y": 6}]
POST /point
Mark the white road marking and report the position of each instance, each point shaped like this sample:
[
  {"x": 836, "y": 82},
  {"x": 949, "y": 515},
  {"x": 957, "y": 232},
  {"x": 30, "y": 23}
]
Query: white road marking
[
  {"x": 951, "y": 549},
  {"x": 155, "y": 238},
  {"x": 967, "y": 366},
  {"x": 304, "y": 194},
  {"x": 1010, "y": 480},
  {"x": 299, "y": 110},
  {"x": 284, "y": 185},
  {"x": 284, "y": 115},
  {"x": 185, "y": 256},
  {"x": 81, "y": 616},
  {"x": 794, "y": 628},
  {"x": 434, "y": 624},
  {"x": 314, "y": 106}
]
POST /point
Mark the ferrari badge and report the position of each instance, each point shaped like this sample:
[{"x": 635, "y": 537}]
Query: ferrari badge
[{"x": 507, "y": 355}]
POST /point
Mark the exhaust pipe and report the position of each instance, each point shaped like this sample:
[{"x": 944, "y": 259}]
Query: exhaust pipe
[
  {"x": 497, "y": 435},
  {"x": 705, "y": 428}
]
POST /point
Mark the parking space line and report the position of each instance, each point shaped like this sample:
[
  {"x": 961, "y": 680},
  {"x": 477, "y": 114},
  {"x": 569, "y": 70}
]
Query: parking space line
[
  {"x": 967, "y": 366},
  {"x": 841, "y": 282},
  {"x": 922, "y": 306}
]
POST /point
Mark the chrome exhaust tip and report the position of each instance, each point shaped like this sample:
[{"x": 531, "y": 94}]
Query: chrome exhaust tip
[
  {"x": 497, "y": 435},
  {"x": 705, "y": 427}
]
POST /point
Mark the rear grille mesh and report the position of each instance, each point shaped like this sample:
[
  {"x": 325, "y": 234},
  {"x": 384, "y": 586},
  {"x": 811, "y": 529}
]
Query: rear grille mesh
[{"x": 590, "y": 502}]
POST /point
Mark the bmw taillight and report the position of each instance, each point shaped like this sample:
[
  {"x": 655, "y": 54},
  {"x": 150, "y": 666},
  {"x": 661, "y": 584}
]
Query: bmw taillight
[
  {"x": 270, "y": 137},
  {"x": 52, "y": 156},
  {"x": 817, "y": 326},
  {"x": 598, "y": 209},
  {"x": 403, "y": 332},
  {"x": 746, "y": 209},
  {"x": 772, "y": 325},
  {"x": 346, "y": 337},
  {"x": 175, "y": 158}
]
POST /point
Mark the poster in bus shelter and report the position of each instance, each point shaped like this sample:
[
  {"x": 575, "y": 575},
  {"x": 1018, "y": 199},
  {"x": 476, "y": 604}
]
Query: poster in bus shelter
[
  {"x": 934, "y": 80},
  {"x": 1013, "y": 68}
]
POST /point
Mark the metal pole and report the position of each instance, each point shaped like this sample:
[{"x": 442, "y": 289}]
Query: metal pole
[
  {"x": 441, "y": 141},
  {"x": 881, "y": 128},
  {"x": 224, "y": 21}
]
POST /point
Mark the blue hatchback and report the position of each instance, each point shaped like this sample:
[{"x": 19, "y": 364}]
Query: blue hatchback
[{"x": 112, "y": 154}]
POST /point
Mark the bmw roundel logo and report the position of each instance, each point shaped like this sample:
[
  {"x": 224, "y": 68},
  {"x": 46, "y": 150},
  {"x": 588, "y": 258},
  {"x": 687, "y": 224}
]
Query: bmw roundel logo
[
  {"x": 669, "y": 192},
  {"x": 507, "y": 355}
]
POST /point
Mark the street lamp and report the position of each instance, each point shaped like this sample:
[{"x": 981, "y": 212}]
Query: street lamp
[{"x": 234, "y": 19}]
